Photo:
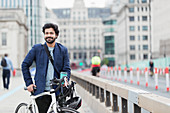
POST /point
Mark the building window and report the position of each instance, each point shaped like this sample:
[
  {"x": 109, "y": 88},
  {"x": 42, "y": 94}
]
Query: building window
[
  {"x": 144, "y": 1},
  {"x": 145, "y": 37},
  {"x": 4, "y": 39},
  {"x": 132, "y": 47},
  {"x": 145, "y": 56},
  {"x": 131, "y": 9},
  {"x": 131, "y": 18},
  {"x": 145, "y": 47},
  {"x": 132, "y": 57},
  {"x": 75, "y": 55},
  {"x": 132, "y": 28},
  {"x": 132, "y": 38},
  {"x": 2, "y": 3},
  {"x": 131, "y": 1},
  {"x": 145, "y": 28},
  {"x": 80, "y": 55},
  {"x": 144, "y": 18}
]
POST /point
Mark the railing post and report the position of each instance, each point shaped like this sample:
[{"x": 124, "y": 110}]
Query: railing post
[
  {"x": 124, "y": 106},
  {"x": 91, "y": 87},
  {"x": 93, "y": 93},
  {"x": 115, "y": 103},
  {"x": 137, "y": 109},
  {"x": 97, "y": 92},
  {"x": 107, "y": 103},
  {"x": 88, "y": 86},
  {"x": 101, "y": 95}
]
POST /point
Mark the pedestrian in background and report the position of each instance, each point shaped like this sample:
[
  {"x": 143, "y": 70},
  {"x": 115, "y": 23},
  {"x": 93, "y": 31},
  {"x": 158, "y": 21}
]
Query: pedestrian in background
[
  {"x": 6, "y": 66},
  {"x": 151, "y": 67}
]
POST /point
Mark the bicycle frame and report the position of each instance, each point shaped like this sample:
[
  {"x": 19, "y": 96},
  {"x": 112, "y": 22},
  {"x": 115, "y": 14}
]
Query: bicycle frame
[{"x": 52, "y": 107}]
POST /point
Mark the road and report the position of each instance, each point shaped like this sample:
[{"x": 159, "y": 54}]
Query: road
[
  {"x": 151, "y": 83},
  {"x": 9, "y": 99}
]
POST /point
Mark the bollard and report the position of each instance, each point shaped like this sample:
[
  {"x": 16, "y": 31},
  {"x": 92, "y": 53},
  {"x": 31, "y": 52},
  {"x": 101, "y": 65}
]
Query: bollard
[
  {"x": 131, "y": 76},
  {"x": 119, "y": 73},
  {"x": 111, "y": 73},
  {"x": 146, "y": 76},
  {"x": 115, "y": 73},
  {"x": 108, "y": 73},
  {"x": 138, "y": 76},
  {"x": 125, "y": 74},
  {"x": 167, "y": 78},
  {"x": 156, "y": 78}
]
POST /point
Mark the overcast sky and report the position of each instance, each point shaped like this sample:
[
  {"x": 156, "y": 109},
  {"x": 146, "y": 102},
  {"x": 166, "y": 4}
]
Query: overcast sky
[{"x": 69, "y": 3}]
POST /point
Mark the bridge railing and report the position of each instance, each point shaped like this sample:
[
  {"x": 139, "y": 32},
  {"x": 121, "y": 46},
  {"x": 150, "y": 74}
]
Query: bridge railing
[{"x": 119, "y": 98}]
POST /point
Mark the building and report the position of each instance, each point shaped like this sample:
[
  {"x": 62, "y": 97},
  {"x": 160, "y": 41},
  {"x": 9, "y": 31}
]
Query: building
[
  {"x": 160, "y": 28},
  {"x": 13, "y": 35},
  {"x": 133, "y": 32},
  {"x": 109, "y": 35},
  {"x": 81, "y": 31},
  {"x": 35, "y": 12}
]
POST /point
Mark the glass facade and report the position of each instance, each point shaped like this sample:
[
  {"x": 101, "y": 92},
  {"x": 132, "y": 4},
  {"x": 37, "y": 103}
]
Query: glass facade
[
  {"x": 109, "y": 45},
  {"x": 4, "y": 39}
]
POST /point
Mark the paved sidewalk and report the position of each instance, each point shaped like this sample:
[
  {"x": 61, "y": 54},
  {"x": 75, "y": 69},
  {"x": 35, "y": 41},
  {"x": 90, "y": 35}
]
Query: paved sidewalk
[{"x": 9, "y": 99}]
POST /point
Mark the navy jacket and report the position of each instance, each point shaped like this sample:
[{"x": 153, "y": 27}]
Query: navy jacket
[{"x": 39, "y": 55}]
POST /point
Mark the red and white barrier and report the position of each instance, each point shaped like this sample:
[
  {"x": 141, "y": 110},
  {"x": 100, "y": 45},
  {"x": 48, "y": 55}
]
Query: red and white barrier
[
  {"x": 146, "y": 76},
  {"x": 111, "y": 73},
  {"x": 131, "y": 75},
  {"x": 115, "y": 73},
  {"x": 119, "y": 73},
  {"x": 138, "y": 72},
  {"x": 125, "y": 74},
  {"x": 167, "y": 78},
  {"x": 156, "y": 79}
]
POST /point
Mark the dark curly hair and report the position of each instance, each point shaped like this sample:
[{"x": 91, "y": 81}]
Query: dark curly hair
[{"x": 50, "y": 25}]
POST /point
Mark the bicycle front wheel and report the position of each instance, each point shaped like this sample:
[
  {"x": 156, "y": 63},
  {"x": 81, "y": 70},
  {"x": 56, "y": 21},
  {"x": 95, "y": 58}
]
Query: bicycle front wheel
[
  {"x": 66, "y": 110},
  {"x": 23, "y": 108}
]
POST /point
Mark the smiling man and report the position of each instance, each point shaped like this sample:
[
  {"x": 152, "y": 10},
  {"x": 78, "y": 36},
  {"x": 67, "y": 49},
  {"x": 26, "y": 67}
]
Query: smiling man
[{"x": 45, "y": 71}]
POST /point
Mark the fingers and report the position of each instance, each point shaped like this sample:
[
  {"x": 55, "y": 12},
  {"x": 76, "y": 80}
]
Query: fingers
[{"x": 31, "y": 87}]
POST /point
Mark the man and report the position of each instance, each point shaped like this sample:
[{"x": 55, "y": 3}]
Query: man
[
  {"x": 95, "y": 65},
  {"x": 44, "y": 69},
  {"x": 6, "y": 65}
]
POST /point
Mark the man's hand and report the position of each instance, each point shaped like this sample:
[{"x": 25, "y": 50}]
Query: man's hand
[
  {"x": 30, "y": 88},
  {"x": 65, "y": 82}
]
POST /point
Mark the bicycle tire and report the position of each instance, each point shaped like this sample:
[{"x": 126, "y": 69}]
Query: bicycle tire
[
  {"x": 67, "y": 110},
  {"x": 22, "y": 108}
]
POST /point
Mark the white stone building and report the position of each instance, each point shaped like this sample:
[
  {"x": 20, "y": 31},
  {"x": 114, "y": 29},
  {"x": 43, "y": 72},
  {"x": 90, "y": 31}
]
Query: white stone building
[
  {"x": 81, "y": 31},
  {"x": 133, "y": 33},
  {"x": 13, "y": 35}
]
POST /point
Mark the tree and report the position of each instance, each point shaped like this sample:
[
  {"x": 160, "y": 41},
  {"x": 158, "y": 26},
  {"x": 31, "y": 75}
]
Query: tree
[{"x": 105, "y": 61}]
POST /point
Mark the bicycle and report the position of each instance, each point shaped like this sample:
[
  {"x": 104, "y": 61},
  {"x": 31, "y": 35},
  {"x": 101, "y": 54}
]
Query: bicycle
[{"x": 70, "y": 106}]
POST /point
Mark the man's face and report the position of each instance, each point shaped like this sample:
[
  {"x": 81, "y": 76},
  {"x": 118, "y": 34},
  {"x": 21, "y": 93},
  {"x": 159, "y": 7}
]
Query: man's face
[{"x": 50, "y": 35}]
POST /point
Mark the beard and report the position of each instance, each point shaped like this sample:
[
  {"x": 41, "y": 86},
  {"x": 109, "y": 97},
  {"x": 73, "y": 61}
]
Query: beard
[{"x": 50, "y": 40}]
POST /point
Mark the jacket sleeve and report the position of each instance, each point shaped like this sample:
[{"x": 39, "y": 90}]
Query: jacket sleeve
[
  {"x": 66, "y": 66},
  {"x": 26, "y": 64}
]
